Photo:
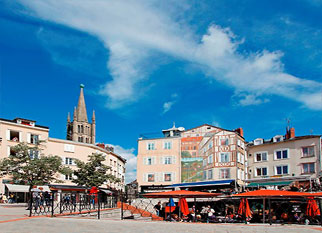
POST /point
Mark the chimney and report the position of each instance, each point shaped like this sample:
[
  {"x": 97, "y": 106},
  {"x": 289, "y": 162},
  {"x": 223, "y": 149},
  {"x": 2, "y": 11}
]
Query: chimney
[
  {"x": 240, "y": 131},
  {"x": 101, "y": 145},
  {"x": 292, "y": 133}
]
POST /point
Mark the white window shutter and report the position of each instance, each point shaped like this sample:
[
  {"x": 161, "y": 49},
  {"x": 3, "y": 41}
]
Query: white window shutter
[
  {"x": 28, "y": 137},
  {"x": 219, "y": 159},
  {"x": 8, "y": 134},
  {"x": 174, "y": 159},
  {"x": 39, "y": 137},
  {"x": 8, "y": 150},
  {"x": 231, "y": 141},
  {"x": 144, "y": 177},
  {"x": 153, "y": 160},
  {"x": 161, "y": 160},
  {"x": 144, "y": 160},
  {"x": 173, "y": 177},
  {"x": 20, "y": 136}
]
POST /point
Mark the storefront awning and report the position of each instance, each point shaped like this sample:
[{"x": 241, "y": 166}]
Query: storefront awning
[
  {"x": 277, "y": 183},
  {"x": 203, "y": 183},
  {"x": 15, "y": 188}
]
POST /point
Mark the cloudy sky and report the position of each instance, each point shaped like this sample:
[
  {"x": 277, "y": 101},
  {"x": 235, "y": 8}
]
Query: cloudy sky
[{"x": 147, "y": 63}]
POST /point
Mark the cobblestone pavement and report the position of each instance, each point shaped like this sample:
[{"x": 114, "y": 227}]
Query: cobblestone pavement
[{"x": 14, "y": 219}]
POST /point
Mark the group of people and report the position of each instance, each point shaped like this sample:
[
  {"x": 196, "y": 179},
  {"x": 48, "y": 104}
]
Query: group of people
[
  {"x": 40, "y": 199},
  {"x": 7, "y": 199},
  {"x": 207, "y": 213}
]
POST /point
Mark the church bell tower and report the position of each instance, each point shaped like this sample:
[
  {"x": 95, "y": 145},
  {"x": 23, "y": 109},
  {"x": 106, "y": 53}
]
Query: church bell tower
[{"x": 79, "y": 129}]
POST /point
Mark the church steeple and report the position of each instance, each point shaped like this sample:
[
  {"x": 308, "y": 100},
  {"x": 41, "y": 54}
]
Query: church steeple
[
  {"x": 81, "y": 107},
  {"x": 80, "y": 130}
]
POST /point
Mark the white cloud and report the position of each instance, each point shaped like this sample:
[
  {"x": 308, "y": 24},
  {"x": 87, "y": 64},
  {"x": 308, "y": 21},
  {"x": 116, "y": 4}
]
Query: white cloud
[
  {"x": 130, "y": 157},
  {"x": 133, "y": 30},
  {"x": 250, "y": 99},
  {"x": 168, "y": 105}
]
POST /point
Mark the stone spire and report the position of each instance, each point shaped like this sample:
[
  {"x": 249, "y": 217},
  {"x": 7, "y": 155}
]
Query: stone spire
[
  {"x": 81, "y": 107},
  {"x": 93, "y": 117},
  {"x": 75, "y": 114},
  {"x": 68, "y": 117}
]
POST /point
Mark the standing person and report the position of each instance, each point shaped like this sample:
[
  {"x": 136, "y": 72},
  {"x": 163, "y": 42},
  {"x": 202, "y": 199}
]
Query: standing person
[
  {"x": 157, "y": 208},
  {"x": 47, "y": 198}
]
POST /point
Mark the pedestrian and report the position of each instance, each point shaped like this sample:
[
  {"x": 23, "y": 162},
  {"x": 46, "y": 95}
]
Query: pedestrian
[{"x": 157, "y": 208}]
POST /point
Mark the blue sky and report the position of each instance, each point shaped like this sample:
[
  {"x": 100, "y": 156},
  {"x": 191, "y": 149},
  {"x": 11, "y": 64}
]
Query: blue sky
[{"x": 146, "y": 64}]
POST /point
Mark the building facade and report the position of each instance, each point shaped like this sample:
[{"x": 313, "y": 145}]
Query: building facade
[
  {"x": 284, "y": 160},
  {"x": 183, "y": 157},
  {"x": 21, "y": 130}
]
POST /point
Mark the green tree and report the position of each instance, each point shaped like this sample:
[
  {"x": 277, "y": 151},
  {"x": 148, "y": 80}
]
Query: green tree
[
  {"x": 26, "y": 166},
  {"x": 94, "y": 172}
]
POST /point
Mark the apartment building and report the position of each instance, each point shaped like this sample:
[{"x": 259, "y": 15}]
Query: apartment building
[
  {"x": 284, "y": 160},
  {"x": 158, "y": 161},
  {"x": 79, "y": 146},
  {"x": 223, "y": 154}
]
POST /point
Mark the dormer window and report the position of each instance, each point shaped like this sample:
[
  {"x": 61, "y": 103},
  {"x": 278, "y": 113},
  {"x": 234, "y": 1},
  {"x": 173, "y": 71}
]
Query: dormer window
[
  {"x": 278, "y": 138},
  {"x": 258, "y": 141}
]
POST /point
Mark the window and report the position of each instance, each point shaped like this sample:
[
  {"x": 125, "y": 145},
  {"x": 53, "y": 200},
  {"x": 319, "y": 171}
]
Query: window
[
  {"x": 308, "y": 168},
  {"x": 114, "y": 163},
  {"x": 78, "y": 129},
  {"x": 209, "y": 174},
  {"x": 204, "y": 175},
  {"x": 224, "y": 173},
  {"x": 258, "y": 141},
  {"x": 281, "y": 170},
  {"x": 281, "y": 154},
  {"x": 308, "y": 151},
  {"x": 224, "y": 157},
  {"x": 68, "y": 177},
  {"x": 86, "y": 140},
  {"x": 210, "y": 159},
  {"x": 167, "y": 145},
  {"x": 204, "y": 162},
  {"x": 111, "y": 162},
  {"x": 34, "y": 139},
  {"x": 69, "y": 148},
  {"x": 69, "y": 161},
  {"x": 150, "y": 146},
  {"x": 14, "y": 136},
  {"x": 150, "y": 177},
  {"x": 224, "y": 142},
  {"x": 167, "y": 160},
  {"x": 149, "y": 161},
  {"x": 33, "y": 154},
  {"x": 210, "y": 145},
  {"x": 261, "y": 171},
  {"x": 167, "y": 176},
  {"x": 80, "y": 139},
  {"x": 260, "y": 156}
]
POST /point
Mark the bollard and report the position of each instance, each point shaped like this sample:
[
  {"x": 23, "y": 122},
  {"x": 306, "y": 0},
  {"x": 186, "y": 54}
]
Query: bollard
[
  {"x": 99, "y": 206},
  {"x": 52, "y": 203}
]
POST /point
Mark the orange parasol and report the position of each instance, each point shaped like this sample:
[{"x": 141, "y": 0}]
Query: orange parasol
[
  {"x": 184, "y": 206},
  {"x": 244, "y": 209},
  {"x": 312, "y": 208}
]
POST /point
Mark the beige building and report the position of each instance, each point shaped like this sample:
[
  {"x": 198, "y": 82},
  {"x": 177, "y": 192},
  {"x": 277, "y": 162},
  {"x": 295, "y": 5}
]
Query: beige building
[
  {"x": 158, "y": 162},
  {"x": 19, "y": 130},
  {"x": 284, "y": 160}
]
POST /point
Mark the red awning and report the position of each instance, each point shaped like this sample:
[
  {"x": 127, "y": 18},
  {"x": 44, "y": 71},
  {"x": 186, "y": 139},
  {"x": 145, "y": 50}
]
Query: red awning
[
  {"x": 272, "y": 193},
  {"x": 180, "y": 193}
]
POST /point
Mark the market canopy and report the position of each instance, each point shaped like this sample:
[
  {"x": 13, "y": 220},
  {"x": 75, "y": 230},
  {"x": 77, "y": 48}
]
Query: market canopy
[
  {"x": 15, "y": 188},
  {"x": 260, "y": 184},
  {"x": 180, "y": 193},
  {"x": 272, "y": 193}
]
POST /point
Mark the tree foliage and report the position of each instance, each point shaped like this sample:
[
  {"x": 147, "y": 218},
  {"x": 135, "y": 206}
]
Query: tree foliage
[
  {"x": 94, "y": 172},
  {"x": 26, "y": 169}
]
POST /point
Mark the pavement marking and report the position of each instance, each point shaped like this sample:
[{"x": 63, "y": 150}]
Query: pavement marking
[{"x": 19, "y": 219}]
